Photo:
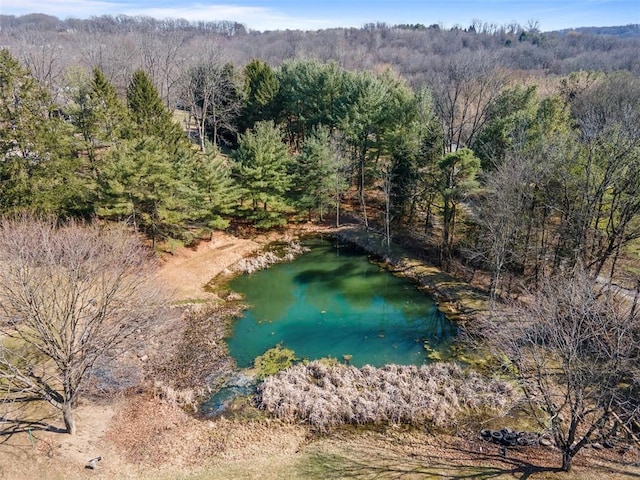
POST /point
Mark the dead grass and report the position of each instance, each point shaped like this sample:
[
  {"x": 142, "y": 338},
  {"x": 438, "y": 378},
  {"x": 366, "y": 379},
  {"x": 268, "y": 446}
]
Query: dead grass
[
  {"x": 412, "y": 454},
  {"x": 326, "y": 396},
  {"x": 259, "y": 262},
  {"x": 143, "y": 438}
]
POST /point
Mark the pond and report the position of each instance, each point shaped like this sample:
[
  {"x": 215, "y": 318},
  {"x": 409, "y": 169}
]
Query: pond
[{"x": 334, "y": 302}]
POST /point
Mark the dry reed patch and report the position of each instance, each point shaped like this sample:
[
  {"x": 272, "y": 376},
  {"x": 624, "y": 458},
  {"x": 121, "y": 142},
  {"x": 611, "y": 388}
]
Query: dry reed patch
[
  {"x": 326, "y": 396},
  {"x": 289, "y": 252}
]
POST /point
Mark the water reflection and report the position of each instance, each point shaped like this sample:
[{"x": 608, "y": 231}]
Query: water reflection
[{"x": 334, "y": 302}]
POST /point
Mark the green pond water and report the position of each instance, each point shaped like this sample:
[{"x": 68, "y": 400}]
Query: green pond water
[{"x": 332, "y": 301}]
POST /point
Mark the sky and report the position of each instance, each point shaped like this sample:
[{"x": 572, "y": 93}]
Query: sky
[{"x": 319, "y": 14}]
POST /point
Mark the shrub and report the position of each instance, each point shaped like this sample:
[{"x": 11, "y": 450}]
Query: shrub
[{"x": 274, "y": 360}]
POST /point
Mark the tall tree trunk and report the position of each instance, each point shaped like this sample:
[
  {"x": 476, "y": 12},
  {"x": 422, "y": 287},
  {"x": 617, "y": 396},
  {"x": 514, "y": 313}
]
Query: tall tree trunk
[
  {"x": 337, "y": 210},
  {"x": 636, "y": 296},
  {"x": 361, "y": 181},
  {"x": 567, "y": 460},
  {"x": 363, "y": 202},
  {"x": 69, "y": 419}
]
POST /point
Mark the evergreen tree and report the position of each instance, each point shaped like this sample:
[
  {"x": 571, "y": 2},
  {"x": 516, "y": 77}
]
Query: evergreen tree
[
  {"x": 149, "y": 116},
  {"x": 310, "y": 94},
  {"x": 260, "y": 87},
  {"x": 509, "y": 118},
  {"x": 99, "y": 117},
  {"x": 415, "y": 150},
  {"x": 311, "y": 173},
  {"x": 378, "y": 105},
  {"x": 110, "y": 111},
  {"x": 459, "y": 172},
  {"x": 144, "y": 185},
  {"x": 214, "y": 193},
  {"x": 39, "y": 172},
  {"x": 261, "y": 164}
]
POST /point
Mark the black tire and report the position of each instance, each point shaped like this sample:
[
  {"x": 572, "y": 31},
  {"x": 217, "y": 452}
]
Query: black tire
[
  {"x": 509, "y": 439},
  {"x": 496, "y": 436},
  {"x": 485, "y": 433}
]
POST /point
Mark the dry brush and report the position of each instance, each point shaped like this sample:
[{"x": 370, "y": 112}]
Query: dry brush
[{"x": 326, "y": 396}]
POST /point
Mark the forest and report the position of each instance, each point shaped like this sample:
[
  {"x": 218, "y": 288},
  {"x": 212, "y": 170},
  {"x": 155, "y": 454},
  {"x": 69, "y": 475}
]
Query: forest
[
  {"x": 521, "y": 168},
  {"x": 485, "y": 148}
]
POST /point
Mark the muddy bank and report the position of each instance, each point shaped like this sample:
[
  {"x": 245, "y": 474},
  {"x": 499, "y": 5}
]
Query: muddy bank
[{"x": 458, "y": 300}]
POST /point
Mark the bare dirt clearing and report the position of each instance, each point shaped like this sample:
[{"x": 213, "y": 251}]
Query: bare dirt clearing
[
  {"x": 140, "y": 437},
  {"x": 188, "y": 270}
]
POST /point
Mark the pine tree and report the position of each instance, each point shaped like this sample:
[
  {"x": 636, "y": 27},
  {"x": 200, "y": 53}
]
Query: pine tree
[
  {"x": 261, "y": 163},
  {"x": 110, "y": 111},
  {"x": 459, "y": 172},
  {"x": 310, "y": 94},
  {"x": 149, "y": 116},
  {"x": 144, "y": 185},
  {"x": 38, "y": 171},
  {"x": 260, "y": 87},
  {"x": 312, "y": 182},
  {"x": 213, "y": 194},
  {"x": 98, "y": 115}
]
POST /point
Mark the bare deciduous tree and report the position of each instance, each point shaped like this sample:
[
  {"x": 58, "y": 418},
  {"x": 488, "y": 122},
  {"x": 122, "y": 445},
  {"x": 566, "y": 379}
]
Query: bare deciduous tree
[
  {"x": 502, "y": 216},
  {"x": 68, "y": 295},
  {"x": 42, "y": 54},
  {"x": 573, "y": 351},
  {"x": 464, "y": 86},
  {"x": 210, "y": 93}
]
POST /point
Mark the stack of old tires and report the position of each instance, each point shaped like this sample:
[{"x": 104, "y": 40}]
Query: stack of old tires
[{"x": 509, "y": 438}]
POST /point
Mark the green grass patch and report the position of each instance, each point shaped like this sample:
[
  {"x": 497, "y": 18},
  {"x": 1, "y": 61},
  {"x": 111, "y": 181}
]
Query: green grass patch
[{"x": 274, "y": 360}]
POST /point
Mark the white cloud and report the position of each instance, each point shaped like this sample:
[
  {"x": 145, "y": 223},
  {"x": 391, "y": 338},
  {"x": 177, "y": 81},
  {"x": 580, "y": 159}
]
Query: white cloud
[{"x": 255, "y": 18}]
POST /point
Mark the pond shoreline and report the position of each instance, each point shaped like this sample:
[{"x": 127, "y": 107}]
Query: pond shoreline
[
  {"x": 457, "y": 300},
  {"x": 336, "y": 302},
  {"x": 189, "y": 270}
]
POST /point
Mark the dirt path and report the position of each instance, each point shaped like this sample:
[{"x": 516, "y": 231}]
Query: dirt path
[{"x": 187, "y": 270}]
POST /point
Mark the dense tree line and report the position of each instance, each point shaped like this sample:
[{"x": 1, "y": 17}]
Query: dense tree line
[
  {"x": 517, "y": 180},
  {"x": 118, "y": 24},
  {"x": 165, "y": 49}
]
